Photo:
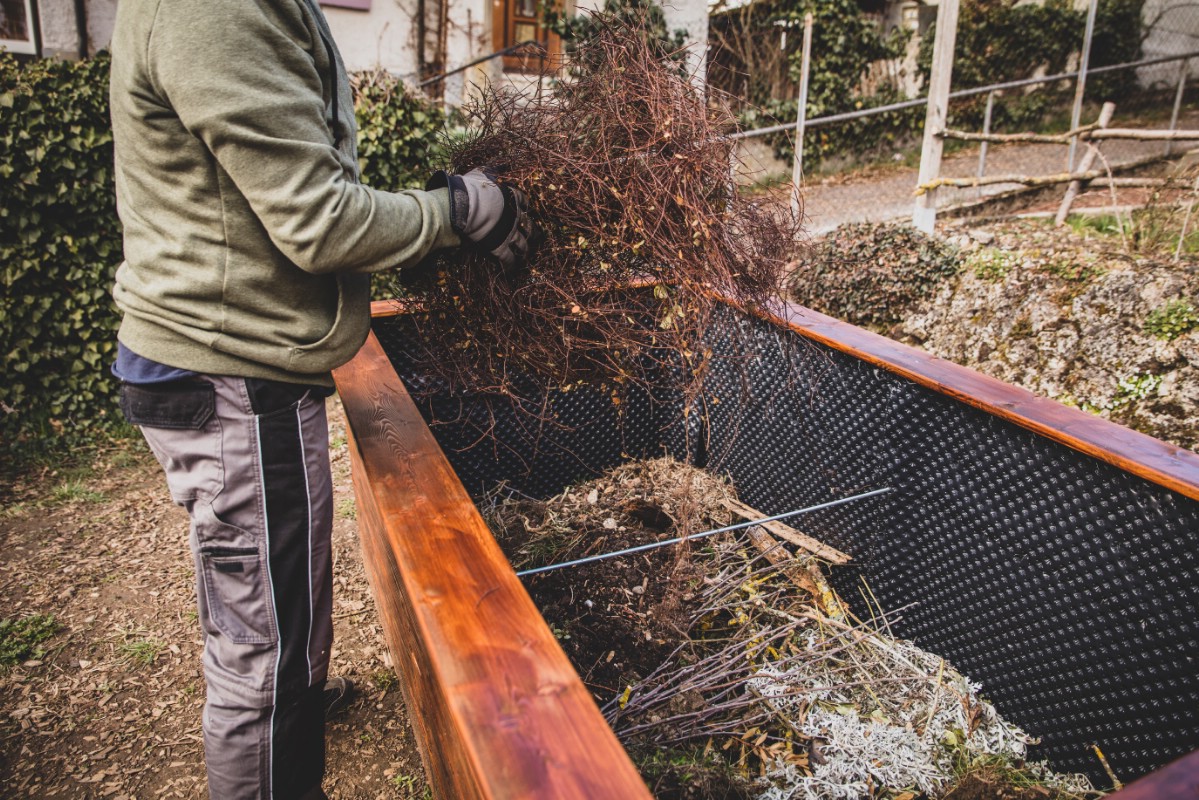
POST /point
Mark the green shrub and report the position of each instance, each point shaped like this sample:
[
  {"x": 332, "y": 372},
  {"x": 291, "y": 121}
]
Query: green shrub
[
  {"x": 60, "y": 242},
  {"x": 1001, "y": 40},
  {"x": 398, "y": 133},
  {"x": 872, "y": 275},
  {"x": 60, "y": 239},
  {"x": 1174, "y": 319},
  {"x": 845, "y": 42}
]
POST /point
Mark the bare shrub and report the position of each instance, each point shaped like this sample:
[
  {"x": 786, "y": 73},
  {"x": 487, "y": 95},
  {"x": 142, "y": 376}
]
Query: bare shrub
[{"x": 627, "y": 171}]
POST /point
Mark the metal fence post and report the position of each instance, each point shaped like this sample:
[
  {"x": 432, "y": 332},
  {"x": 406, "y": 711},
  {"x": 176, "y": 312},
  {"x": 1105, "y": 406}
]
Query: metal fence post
[
  {"x": 802, "y": 114},
  {"x": 982, "y": 151},
  {"x": 1080, "y": 87},
  {"x": 924, "y": 215},
  {"x": 1183, "y": 68}
]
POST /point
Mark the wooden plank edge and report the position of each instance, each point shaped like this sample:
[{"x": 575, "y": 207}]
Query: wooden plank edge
[
  {"x": 1168, "y": 465},
  {"x": 381, "y": 309},
  {"x": 784, "y": 531},
  {"x": 500, "y": 711},
  {"x": 1178, "y": 780}
]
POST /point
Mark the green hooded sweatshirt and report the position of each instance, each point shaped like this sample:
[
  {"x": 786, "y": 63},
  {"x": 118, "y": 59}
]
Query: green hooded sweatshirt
[{"x": 248, "y": 238}]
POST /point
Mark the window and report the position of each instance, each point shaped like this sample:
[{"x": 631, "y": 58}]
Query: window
[
  {"x": 18, "y": 26},
  {"x": 519, "y": 21}
]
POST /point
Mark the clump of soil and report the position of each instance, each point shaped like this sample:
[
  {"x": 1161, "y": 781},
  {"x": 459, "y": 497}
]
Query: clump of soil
[{"x": 730, "y": 668}]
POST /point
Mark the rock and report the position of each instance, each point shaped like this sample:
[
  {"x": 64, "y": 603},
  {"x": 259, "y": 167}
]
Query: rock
[{"x": 982, "y": 237}]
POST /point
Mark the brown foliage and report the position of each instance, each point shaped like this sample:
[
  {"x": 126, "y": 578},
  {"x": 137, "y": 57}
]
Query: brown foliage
[{"x": 627, "y": 175}]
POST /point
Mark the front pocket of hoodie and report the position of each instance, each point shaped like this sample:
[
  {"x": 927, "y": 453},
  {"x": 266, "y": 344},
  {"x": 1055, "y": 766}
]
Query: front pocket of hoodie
[
  {"x": 351, "y": 323},
  {"x": 237, "y": 594}
]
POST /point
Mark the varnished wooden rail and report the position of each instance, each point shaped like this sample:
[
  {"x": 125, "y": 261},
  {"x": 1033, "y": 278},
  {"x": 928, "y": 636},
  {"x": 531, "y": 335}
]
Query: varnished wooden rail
[{"x": 498, "y": 710}]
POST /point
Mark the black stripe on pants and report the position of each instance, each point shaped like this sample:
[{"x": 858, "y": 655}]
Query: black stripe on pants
[{"x": 297, "y": 726}]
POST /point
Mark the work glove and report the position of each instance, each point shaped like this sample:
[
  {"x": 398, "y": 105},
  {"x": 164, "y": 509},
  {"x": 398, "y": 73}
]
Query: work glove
[{"x": 492, "y": 216}]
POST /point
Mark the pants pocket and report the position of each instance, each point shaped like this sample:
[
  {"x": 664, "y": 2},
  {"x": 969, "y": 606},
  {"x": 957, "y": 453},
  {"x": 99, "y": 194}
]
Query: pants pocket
[
  {"x": 185, "y": 404},
  {"x": 236, "y": 594}
]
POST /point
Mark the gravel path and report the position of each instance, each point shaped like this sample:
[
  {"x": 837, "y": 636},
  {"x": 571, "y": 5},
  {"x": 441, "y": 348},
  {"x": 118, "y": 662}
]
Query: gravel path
[{"x": 886, "y": 195}]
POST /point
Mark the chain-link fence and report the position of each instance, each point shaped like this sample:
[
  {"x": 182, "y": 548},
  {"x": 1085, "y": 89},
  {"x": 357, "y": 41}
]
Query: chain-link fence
[{"x": 1016, "y": 68}]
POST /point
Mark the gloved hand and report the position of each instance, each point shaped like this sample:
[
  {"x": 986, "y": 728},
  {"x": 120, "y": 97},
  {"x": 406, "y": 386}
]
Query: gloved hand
[{"x": 492, "y": 216}]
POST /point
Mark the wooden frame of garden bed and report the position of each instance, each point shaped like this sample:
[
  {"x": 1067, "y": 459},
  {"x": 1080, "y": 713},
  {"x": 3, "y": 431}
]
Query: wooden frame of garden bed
[{"x": 498, "y": 710}]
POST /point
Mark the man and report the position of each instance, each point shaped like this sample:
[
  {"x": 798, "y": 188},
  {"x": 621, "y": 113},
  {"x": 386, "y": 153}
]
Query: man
[{"x": 248, "y": 248}]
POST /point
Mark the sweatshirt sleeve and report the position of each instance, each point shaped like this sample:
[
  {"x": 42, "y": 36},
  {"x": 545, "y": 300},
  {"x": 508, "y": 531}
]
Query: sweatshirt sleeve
[{"x": 241, "y": 77}]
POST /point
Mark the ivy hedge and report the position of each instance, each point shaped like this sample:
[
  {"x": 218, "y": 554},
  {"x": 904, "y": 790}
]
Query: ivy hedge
[
  {"x": 60, "y": 238},
  {"x": 60, "y": 242}
]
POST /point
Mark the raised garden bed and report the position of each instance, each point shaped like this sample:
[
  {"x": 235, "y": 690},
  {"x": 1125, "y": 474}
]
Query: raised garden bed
[{"x": 1049, "y": 554}]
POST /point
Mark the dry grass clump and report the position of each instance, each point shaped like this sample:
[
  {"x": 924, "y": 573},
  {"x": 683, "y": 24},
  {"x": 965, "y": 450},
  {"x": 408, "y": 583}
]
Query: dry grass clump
[
  {"x": 627, "y": 172},
  {"x": 661, "y": 495}
]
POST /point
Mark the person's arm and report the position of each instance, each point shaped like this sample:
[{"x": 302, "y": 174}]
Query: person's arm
[{"x": 241, "y": 78}]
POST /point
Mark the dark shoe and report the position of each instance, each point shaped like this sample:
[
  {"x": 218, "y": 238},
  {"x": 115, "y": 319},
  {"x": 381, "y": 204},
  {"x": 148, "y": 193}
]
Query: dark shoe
[{"x": 338, "y": 693}]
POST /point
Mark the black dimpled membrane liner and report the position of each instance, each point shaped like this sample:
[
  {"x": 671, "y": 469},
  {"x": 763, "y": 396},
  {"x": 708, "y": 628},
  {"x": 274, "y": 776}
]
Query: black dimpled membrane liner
[{"x": 1068, "y": 587}]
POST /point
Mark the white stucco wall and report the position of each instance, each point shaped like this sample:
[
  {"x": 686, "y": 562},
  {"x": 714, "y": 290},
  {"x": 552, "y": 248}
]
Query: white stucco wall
[
  {"x": 469, "y": 37},
  {"x": 57, "y": 20},
  {"x": 1175, "y": 30},
  {"x": 60, "y": 39},
  {"x": 383, "y": 37},
  {"x": 692, "y": 17}
]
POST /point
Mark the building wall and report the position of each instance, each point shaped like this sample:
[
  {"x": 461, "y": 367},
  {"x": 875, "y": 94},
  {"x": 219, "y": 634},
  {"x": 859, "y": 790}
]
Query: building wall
[
  {"x": 385, "y": 35},
  {"x": 59, "y": 32},
  {"x": 1174, "y": 30},
  {"x": 692, "y": 17}
]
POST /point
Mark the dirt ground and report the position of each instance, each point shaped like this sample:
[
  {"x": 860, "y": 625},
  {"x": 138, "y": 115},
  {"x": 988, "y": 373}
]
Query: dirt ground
[{"x": 113, "y": 708}]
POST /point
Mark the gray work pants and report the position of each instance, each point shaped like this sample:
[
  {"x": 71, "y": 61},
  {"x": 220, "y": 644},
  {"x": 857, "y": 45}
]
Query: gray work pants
[{"x": 249, "y": 460}]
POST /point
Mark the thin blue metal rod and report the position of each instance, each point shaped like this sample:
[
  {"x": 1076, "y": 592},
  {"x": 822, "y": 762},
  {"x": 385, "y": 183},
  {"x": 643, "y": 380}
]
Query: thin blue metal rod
[{"x": 726, "y": 529}]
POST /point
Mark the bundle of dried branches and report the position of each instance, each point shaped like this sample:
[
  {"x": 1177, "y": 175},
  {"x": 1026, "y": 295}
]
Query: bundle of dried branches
[{"x": 627, "y": 172}]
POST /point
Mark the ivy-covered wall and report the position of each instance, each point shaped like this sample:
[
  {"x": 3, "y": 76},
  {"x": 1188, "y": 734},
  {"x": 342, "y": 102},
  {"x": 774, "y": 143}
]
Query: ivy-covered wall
[{"x": 60, "y": 239}]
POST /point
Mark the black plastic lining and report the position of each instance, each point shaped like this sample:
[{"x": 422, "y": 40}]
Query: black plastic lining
[{"x": 1066, "y": 586}]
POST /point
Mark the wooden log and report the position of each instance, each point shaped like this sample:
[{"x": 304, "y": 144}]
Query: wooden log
[
  {"x": 497, "y": 708},
  {"x": 1008, "y": 138},
  {"x": 1026, "y": 180},
  {"x": 924, "y": 211},
  {"x": 787, "y": 533},
  {"x": 1093, "y": 178},
  {"x": 1088, "y": 158},
  {"x": 775, "y": 553},
  {"x": 1144, "y": 135}
]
